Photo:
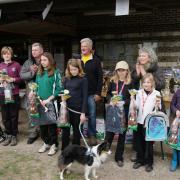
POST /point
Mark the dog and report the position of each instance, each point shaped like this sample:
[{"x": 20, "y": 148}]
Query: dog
[{"x": 91, "y": 158}]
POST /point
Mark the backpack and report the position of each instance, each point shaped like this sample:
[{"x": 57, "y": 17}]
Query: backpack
[{"x": 156, "y": 124}]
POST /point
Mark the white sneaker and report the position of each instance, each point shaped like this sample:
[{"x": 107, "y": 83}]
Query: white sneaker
[
  {"x": 44, "y": 148},
  {"x": 52, "y": 150}
]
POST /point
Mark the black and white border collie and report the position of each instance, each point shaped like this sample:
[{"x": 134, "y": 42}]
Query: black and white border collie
[{"x": 91, "y": 158}]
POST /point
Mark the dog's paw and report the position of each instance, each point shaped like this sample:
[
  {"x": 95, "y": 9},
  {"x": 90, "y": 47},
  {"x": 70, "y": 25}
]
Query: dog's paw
[{"x": 95, "y": 177}]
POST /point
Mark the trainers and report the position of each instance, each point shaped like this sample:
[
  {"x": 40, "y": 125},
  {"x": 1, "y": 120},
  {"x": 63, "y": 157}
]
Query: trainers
[
  {"x": 13, "y": 141},
  {"x": 52, "y": 150},
  {"x": 7, "y": 140},
  {"x": 148, "y": 168},
  {"x": 120, "y": 163},
  {"x": 2, "y": 138},
  {"x": 137, "y": 165},
  {"x": 44, "y": 148}
]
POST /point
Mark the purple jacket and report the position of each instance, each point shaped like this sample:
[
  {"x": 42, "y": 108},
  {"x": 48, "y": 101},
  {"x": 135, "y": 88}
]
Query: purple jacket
[
  {"x": 175, "y": 103},
  {"x": 13, "y": 70}
]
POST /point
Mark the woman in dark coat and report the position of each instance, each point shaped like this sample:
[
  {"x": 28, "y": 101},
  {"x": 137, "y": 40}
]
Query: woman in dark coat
[{"x": 147, "y": 62}]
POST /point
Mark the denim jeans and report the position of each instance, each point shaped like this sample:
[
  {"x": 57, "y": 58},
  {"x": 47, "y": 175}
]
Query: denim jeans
[{"x": 92, "y": 116}]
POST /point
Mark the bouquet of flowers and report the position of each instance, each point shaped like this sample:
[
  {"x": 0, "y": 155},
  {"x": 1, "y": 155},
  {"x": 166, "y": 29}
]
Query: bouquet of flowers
[
  {"x": 33, "y": 104},
  {"x": 63, "y": 119},
  {"x": 132, "y": 123}
]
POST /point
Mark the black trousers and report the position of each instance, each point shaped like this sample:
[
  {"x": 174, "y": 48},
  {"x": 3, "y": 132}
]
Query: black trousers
[
  {"x": 49, "y": 134},
  {"x": 120, "y": 144},
  {"x": 10, "y": 113},
  {"x": 74, "y": 120},
  {"x": 134, "y": 142},
  {"x": 144, "y": 148}
]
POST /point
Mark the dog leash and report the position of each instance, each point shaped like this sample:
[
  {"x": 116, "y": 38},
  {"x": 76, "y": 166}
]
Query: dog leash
[{"x": 85, "y": 142}]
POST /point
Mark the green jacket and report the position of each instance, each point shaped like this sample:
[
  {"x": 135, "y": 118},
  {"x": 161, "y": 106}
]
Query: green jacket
[{"x": 48, "y": 85}]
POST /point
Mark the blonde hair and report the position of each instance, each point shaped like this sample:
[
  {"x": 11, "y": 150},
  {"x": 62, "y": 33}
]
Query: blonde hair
[
  {"x": 75, "y": 63},
  {"x": 150, "y": 77},
  {"x": 115, "y": 77},
  {"x": 88, "y": 41},
  {"x": 6, "y": 49}
]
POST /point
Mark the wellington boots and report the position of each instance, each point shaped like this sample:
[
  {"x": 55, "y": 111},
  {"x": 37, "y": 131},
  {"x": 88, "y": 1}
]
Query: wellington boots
[{"x": 174, "y": 162}]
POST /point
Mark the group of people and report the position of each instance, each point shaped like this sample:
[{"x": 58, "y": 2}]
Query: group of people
[{"x": 83, "y": 79}]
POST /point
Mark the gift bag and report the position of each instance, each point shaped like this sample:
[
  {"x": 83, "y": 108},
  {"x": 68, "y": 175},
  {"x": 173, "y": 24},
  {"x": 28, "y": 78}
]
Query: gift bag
[
  {"x": 156, "y": 124},
  {"x": 173, "y": 139},
  {"x": 48, "y": 116},
  {"x": 132, "y": 118},
  {"x": 63, "y": 119},
  {"x": 115, "y": 118}
]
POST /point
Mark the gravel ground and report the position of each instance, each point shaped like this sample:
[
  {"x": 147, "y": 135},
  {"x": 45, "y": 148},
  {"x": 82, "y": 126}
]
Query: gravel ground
[{"x": 23, "y": 162}]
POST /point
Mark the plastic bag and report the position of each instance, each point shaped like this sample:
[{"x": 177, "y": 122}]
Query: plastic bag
[
  {"x": 32, "y": 97},
  {"x": 173, "y": 137},
  {"x": 132, "y": 118},
  {"x": 8, "y": 94},
  {"x": 115, "y": 118},
  {"x": 63, "y": 119}
]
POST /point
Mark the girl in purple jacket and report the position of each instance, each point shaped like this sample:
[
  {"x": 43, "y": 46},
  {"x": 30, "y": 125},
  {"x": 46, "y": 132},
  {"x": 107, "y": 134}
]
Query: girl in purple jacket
[{"x": 9, "y": 95}]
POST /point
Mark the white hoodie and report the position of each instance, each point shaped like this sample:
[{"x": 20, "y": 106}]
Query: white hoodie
[{"x": 148, "y": 106}]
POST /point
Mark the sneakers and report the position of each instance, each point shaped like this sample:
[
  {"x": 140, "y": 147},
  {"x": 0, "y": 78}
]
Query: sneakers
[
  {"x": 120, "y": 163},
  {"x": 137, "y": 165},
  {"x": 2, "y": 138},
  {"x": 13, "y": 141},
  {"x": 44, "y": 148},
  {"x": 53, "y": 150},
  {"x": 148, "y": 168},
  {"x": 7, "y": 140}
]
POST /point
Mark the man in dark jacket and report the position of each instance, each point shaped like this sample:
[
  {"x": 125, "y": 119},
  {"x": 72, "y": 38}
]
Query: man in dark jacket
[
  {"x": 28, "y": 73},
  {"x": 93, "y": 70}
]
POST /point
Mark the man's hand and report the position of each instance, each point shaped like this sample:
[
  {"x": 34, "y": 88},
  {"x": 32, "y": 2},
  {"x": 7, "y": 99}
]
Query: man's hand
[
  {"x": 97, "y": 97},
  {"x": 34, "y": 68}
]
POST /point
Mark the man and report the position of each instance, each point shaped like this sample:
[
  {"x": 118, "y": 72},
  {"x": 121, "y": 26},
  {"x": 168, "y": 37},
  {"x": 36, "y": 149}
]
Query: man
[
  {"x": 28, "y": 73},
  {"x": 94, "y": 74}
]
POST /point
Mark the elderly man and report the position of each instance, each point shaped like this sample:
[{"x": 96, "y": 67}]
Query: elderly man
[
  {"x": 94, "y": 74},
  {"x": 28, "y": 73}
]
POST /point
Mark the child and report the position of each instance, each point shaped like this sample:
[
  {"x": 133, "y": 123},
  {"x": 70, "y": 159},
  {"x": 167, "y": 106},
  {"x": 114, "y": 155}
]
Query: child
[
  {"x": 175, "y": 109},
  {"x": 146, "y": 101},
  {"x": 77, "y": 85},
  {"x": 120, "y": 83},
  {"x": 10, "y": 80},
  {"x": 48, "y": 80}
]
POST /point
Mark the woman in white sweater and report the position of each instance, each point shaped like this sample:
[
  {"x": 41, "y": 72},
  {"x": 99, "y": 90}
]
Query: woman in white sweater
[{"x": 146, "y": 101}]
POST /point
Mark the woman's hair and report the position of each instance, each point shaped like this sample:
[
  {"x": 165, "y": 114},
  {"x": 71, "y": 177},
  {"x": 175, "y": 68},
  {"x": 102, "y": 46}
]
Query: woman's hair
[
  {"x": 115, "y": 77},
  {"x": 150, "y": 77},
  {"x": 6, "y": 49},
  {"x": 88, "y": 41},
  {"x": 151, "y": 53},
  {"x": 75, "y": 63},
  {"x": 52, "y": 65}
]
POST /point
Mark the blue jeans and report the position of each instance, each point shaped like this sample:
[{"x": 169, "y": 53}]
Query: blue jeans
[{"x": 92, "y": 116}]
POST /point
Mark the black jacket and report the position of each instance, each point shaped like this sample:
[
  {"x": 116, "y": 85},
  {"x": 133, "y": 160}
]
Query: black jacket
[
  {"x": 78, "y": 90},
  {"x": 94, "y": 75},
  {"x": 157, "y": 74}
]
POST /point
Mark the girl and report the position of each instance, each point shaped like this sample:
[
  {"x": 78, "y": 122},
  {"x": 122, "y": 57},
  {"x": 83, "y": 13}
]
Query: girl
[
  {"x": 146, "y": 101},
  {"x": 120, "y": 82},
  {"x": 175, "y": 109},
  {"x": 10, "y": 78},
  {"x": 77, "y": 85},
  {"x": 48, "y": 80}
]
